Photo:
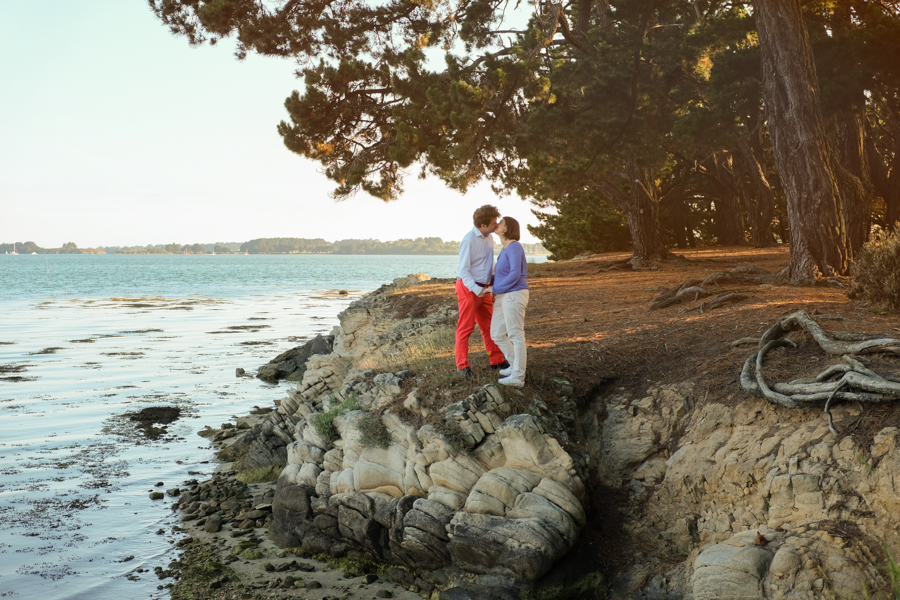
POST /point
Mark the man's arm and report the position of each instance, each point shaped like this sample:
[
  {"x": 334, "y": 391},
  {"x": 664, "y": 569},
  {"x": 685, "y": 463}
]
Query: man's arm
[{"x": 464, "y": 271}]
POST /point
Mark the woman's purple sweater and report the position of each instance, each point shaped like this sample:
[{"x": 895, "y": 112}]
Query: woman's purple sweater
[{"x": 511, "y": 270}]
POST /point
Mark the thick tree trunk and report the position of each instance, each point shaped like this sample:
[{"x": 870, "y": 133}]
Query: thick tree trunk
[{"x": 819, "y": 244}]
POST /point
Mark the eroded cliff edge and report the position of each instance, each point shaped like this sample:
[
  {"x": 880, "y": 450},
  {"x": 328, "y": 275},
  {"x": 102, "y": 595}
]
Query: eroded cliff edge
[{"x": 726, "y": 497}]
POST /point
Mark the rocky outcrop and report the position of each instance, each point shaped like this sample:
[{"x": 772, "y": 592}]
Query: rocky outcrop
[
  {"x": 491, "y": 499},
  {"x": 729, "y": 498},
  {"x": 763, "y": 502},
  {"x": 291, "y": 365},
  {"x": 497, "y": 505}
]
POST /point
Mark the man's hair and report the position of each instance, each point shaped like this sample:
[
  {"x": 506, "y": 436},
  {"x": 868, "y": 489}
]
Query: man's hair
[
  {"x": 484, "y": 215},
  {"x": 512, "y": 229}
]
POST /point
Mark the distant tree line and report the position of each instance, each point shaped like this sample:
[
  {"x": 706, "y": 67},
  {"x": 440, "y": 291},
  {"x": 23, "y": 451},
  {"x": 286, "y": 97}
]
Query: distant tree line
[
  {"x": 429, "y": 245},
  {"x": 418, "y": 246},
  {"x": 217, "y": 248},
  {"x": 32, "y": 248}
]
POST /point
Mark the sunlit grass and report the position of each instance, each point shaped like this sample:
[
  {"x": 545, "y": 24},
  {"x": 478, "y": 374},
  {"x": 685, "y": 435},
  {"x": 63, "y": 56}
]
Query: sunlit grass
[{"x": 426, "y": 356}]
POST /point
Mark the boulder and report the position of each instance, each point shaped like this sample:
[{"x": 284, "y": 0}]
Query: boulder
[
  {"x": 291, "y": 365},
  {"x": 731, "y": 570}
]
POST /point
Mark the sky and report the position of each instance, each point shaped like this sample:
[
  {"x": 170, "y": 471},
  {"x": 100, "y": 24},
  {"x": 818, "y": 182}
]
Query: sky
[{"x": 114, "y": 132}]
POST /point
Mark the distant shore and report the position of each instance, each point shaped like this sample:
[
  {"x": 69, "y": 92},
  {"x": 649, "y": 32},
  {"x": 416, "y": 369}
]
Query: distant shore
[{"x": 428, "y": 246}]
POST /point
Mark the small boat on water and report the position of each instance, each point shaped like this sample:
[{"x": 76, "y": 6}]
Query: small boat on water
[{"x": 14, "y": 248}]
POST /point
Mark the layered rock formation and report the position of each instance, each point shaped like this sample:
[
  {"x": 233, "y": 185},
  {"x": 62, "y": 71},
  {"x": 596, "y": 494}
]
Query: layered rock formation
[
  {"x": 729, "y": 497},
  {"x": 490, "y": 498}
]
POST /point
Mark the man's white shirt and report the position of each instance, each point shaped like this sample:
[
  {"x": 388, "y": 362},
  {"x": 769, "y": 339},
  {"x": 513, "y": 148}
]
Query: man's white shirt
[{"x": 476, "y": 259}]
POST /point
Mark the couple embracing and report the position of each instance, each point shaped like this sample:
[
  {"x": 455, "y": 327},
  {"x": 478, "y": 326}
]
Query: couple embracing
[{"x": 494, "y": 298}]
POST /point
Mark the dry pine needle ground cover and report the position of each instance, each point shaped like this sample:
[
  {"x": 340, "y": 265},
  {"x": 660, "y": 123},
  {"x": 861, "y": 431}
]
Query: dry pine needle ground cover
[{"x": 595, "y": 327}]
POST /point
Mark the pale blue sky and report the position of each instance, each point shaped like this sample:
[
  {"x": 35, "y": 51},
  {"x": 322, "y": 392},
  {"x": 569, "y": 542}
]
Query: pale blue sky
[{"x": 115, "y": 132}]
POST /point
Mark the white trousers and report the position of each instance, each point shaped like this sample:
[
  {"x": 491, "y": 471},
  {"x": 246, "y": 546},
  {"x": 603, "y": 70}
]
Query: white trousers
[{"x": 508, "y": 329}]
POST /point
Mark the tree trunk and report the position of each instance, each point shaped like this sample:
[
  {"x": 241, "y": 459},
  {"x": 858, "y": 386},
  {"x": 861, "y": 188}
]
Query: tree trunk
[
  {"x": 729, "y": 225},
  {"x": 640, "y": 203},
  {"x": 848, "y": 126},
  {"x": 886, "y": 181},
  {"x": 819, "y": 244},
  {"x": 853, "y": 176},
  {"x": 675, "y": 214},
  {"x": 760, "y": 203}
]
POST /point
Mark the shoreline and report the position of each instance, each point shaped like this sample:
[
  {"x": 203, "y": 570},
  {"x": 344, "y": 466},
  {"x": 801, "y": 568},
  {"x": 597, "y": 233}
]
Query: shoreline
[
  {"x": 695, "y": 485},
  {"x": 222, "y": 560}
]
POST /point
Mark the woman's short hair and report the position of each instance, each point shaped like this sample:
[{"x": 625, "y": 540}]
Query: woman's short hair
[
  {"x": 485, "y": 215},
  {"x": 512, "y": 229}
]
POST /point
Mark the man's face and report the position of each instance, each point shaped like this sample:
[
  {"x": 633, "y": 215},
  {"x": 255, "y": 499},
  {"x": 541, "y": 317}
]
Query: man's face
[{"x": 489, "y": 228}]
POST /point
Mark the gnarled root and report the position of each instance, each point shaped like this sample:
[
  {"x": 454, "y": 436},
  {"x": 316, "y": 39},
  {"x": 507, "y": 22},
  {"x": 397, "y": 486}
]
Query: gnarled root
[
  {"x": 856, "y": 381},
  {"x": 694, "y": 289}
]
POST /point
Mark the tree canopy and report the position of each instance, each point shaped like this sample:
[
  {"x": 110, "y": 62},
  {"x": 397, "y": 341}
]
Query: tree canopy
[{"x": 660, "y": 114}]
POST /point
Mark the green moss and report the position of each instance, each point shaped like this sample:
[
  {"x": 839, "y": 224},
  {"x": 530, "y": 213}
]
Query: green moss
[
  {"x": 352, "y": 566},
  {"x": 260, "y": 475},
  {"x": 252, "y": 554},
  {"x": 232, "y": 453},
  {"x": 241, "y": 546},
  {"x": 374, "y": 434},
  {"x": 456, "y": 437}
]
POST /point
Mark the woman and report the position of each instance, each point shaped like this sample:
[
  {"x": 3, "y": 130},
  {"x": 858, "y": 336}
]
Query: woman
[{"x": 511, "y": 288}]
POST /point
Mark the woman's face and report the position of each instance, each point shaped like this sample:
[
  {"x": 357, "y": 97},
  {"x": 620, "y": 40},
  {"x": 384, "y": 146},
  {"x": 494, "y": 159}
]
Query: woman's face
[{"x": 501, "y": 228}]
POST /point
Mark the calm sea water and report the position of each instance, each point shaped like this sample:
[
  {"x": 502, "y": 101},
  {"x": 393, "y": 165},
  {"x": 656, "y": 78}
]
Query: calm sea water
[{"x": 86, "y": 339}]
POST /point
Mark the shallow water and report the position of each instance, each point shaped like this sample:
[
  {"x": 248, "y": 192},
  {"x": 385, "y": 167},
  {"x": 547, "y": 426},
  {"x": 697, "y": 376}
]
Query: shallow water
[{"x": 85, "y": 340}]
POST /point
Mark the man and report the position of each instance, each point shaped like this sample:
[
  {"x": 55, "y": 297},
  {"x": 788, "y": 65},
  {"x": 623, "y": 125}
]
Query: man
[{"x": 473, "y": 290}]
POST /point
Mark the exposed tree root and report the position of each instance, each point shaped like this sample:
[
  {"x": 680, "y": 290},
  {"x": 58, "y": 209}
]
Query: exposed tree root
[
  {"x": 633, "y": 263},
  {"x": 854, "y": 380},
  {"x": 716, "y": 302},
  {"x": 694, "y": 289}
]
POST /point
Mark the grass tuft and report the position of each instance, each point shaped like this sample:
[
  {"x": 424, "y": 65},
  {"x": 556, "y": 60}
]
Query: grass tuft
[
  {"x": 324, "y": 422},
  {"x": 373, "y": 432}
]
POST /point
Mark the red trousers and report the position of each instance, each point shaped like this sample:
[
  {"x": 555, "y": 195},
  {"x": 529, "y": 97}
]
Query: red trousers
[{"x": 473, "y": 309}]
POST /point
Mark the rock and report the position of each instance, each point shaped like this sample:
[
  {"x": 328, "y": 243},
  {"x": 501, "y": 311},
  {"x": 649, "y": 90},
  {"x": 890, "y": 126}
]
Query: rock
[
  {"x": 411, "y": 279},
  {"x": 239, "y": 372},
  {"x": 785, "y": 563},
  {"x": 157, "y": 495},
  {"x": 514, "y": 549},
  {"x": 731, "y": 570},
  {"x": 213, "y": 523},
  {"x": 291, "y": 364}
]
